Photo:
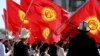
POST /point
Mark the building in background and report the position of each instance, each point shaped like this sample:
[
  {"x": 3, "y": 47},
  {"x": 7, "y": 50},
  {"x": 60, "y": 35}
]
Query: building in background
[{"x": 71, "y": 5}]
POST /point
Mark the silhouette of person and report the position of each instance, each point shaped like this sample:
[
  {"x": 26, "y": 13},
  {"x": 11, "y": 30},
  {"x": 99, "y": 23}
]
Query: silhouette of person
[
  {"x": 53, "y": 49},
  {"x": 82, "y": 44},
  {"x": 60, "y": 49},
  {"x": 21, "y": 48},
  {"x": 45, "y": 49}
]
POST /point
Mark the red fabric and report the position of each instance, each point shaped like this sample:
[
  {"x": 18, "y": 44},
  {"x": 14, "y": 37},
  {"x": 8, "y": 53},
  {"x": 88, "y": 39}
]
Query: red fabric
[
  {"x": 54, "y": 38},
  {"x": 35, "y": 16},
  {"x": 8, "y": 26},
  {"x": 25, "y": 4},
  {"x": 16, "y": 22},
  {"x": 89, "y": 9},
  {"x": 65, "y": 22},
  {"x": 13, "y": 17}
]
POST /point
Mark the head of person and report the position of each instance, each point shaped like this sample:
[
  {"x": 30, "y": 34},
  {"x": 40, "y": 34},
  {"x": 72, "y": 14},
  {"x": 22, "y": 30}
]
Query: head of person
[
  {"x": 24, "y": 34},
  {"x": 60, "y": 44},
  {"x": 34, "y": 46},
  {"x": 45, "y": 47},
  {"x": 83, "y": 27}
]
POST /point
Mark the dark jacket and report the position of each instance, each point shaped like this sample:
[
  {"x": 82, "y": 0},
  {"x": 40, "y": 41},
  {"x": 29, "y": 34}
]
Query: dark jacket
[
  {"x": 53, "y": 50},
  {"x": 21, "y": 49},
  {"x": 82, "y": 45}
]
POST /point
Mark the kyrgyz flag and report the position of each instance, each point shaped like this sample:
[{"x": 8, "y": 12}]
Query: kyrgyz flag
[
  {"x": 8, "y": 25},
  {"x": 15, "y": 16},
  {"x": 89, "y": 12},
  {"x": 46, "y": 14}
]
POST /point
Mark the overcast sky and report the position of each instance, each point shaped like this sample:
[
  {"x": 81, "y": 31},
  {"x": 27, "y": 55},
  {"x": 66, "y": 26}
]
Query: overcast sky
[{"x": 3, "y": 5}]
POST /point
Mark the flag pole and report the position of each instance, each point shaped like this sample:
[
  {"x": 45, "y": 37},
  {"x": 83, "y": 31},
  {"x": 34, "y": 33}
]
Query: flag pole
[
  {"x": 67, "y": 20},
  {"x": 27, "y": 11}
]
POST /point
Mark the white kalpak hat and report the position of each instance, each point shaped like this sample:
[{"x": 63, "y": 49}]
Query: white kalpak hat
[
  {"x": 24, "y": 33},
  {"x": 84, "y": 26}
]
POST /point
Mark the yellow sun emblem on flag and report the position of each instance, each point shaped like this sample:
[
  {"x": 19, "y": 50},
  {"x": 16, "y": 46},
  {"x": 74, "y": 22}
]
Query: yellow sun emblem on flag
[
  {"x": 94, "y": 24},
  {"x": 46, "y": 32},
  {"x": 48, "y": 14},
  {"x": 22, "y": 15}
]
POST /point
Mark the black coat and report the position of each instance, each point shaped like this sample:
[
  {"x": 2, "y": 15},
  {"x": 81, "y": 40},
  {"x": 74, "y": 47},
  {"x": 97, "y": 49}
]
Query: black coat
[
  {"x": 82, "y": 45},
  {"x": 53, "y": 50},
  {"x": 21, "y": 49}
]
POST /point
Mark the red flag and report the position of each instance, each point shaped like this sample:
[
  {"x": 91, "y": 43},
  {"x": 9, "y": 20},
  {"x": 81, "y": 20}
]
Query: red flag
[
  {"x": 15, "y": 15},
  {"x": 89, "y": 12},
  {"x": 8, "y": 26},
  {"x": 5, "y": 17},
  {"x": 65, "y": 22},
  {"x": 47, "y": 15}
]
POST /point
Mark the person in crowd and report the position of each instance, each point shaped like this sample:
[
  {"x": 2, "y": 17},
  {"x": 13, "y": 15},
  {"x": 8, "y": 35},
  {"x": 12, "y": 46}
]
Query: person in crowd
[
  {"x": 82, "y": 44},
  {"x": 21, "y": 48},
  {"x": 35, "y": 51},
  {"x": 30, "y": 51},
  {"x": 60, "y": 50},
  {"x": 2, "y": 46},
  {"x": 66, "y": 46},
  {"x": 45, "y": 49},
  {"x": 53, "y": 49},
  {"x": 40, "y": 44},
  {"x": 7, "y": 45}
]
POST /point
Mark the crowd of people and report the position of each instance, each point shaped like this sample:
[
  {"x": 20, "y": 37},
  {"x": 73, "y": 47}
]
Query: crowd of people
[
  {"x": 81, "y": 45},
  {"x": 21, "y": 48}
]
